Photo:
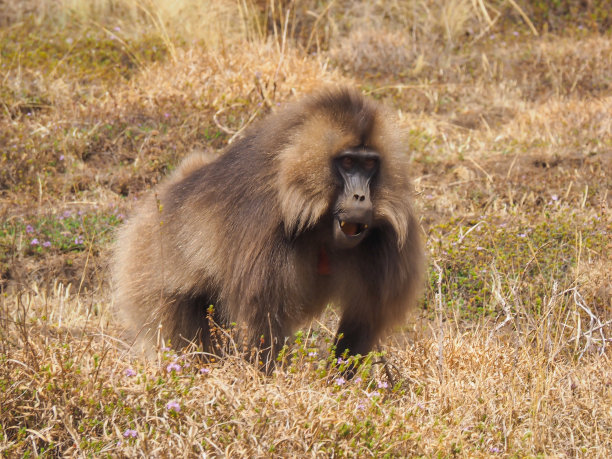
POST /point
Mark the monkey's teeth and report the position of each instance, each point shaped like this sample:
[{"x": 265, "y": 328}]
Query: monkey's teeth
[{"x": 350, "y": 229}]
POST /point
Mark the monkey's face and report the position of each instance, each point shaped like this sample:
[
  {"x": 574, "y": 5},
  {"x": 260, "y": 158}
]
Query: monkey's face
[{"x": 353, "y": 208}]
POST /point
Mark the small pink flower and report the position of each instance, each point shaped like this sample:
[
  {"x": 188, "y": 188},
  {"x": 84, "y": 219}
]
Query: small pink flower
[
  {"x": 29, "y": 229},
  {"x": 383, "y": 385},
  {"x": 374, "y": 393},
  {"x": 205, "y": 371},
  {"x": 340, "y": 381},
  {"x": 34, "y": 242},
  {"x": 312, "y": 354},
  {"x": 46, "y": 244}
]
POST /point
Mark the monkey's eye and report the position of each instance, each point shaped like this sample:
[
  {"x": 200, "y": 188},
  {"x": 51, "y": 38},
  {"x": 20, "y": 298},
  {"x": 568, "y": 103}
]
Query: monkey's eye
[
  {"x": 347, "y": 163},
  {"x": 369, "y": 164}
]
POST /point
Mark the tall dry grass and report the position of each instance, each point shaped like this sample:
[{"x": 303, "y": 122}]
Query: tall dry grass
[{"x": 525, "y": 387}]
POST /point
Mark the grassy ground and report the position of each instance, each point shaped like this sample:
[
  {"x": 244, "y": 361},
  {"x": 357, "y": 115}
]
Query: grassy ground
[{"x": 506, "y": 107}]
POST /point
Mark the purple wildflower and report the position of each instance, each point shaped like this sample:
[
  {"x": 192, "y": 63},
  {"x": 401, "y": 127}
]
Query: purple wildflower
[
  {"x": 130, "y": 433},
  {"x": 78, "y": 240},
  {"x": 312, "y": 354},
  {"x": 46, "y": 244},
  {"x": 205, "y": 371},
  {"x": 61, "y": 158},
  {"x": 357, "y": 380},
  {"x": 173, "y": 406},
  {"x": 340, "y": 381},
  {"x": 29, "y": 229},
  {"x": 67, "y": 213},
  {"x": 173, "y": 367},
  {"x": 383, "y": 385},
  {"x": 34, "y": 242},
  {"x": 374, "y": 393},
  {"x": 129, "y": 372}
]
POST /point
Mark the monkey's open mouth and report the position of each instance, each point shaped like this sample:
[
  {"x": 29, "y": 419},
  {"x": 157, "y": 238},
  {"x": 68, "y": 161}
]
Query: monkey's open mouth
[
  {"x": 348, "y": 234},
  {"x": 352, "y": 228}
]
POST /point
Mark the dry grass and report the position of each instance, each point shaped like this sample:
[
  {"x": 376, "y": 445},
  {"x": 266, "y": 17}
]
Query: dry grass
[
  {"x": 510, "y": 141},
  {"x": 69, "y": 386}
]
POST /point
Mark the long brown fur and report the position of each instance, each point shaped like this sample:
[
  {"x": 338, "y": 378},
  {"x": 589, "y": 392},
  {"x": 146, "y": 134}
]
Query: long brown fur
[{"x": 245, "y": 232}]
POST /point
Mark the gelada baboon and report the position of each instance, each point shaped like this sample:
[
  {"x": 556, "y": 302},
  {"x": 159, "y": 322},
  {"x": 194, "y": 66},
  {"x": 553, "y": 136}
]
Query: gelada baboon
[{"x": 311, "y": 206}]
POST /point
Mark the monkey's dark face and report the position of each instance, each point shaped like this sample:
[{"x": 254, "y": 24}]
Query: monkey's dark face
[{"x": 353, "y": 208}]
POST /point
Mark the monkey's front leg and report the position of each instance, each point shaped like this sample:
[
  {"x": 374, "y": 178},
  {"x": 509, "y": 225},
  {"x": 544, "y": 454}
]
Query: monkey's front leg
[
  {"x": 357, "y": 335},
  {"x": 266, "y": 340}
]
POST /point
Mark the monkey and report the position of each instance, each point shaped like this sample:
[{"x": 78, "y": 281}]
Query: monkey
[{"x": 311, "y": 206}]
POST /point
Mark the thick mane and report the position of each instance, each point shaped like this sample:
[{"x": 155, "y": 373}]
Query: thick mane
[
  {"x": 339, "y": 119},
  {"x": 348, "y": 109}
]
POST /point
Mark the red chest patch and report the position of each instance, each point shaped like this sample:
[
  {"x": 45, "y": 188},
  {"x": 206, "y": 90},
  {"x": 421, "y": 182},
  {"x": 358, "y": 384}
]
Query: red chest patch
[{"x": 323, "y": 266}]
